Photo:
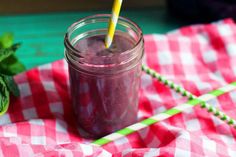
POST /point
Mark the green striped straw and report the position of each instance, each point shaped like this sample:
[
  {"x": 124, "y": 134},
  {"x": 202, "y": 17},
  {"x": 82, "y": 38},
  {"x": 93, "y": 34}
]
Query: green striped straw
[
  {"x": 216, "y": 112},
  {"x": 164, "y": 115}
]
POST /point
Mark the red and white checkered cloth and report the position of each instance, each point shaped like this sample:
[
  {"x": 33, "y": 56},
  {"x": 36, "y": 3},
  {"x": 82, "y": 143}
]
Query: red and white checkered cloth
[{"x": 200, "y": 58}]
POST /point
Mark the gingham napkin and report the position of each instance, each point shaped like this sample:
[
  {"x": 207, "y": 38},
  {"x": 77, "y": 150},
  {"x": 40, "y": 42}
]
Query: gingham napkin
[{"x": 200, "y": 58}]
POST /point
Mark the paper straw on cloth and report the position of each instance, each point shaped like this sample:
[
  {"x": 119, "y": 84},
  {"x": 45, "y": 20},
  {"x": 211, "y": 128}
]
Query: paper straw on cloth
[
  {"x": 164, "y": 115},
  {"x": 113, "y": 21},
  {"x": 216, "y": 112}
]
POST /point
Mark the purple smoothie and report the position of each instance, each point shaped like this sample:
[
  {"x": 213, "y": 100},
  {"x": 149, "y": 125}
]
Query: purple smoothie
[{"x": 105, "y": 99}]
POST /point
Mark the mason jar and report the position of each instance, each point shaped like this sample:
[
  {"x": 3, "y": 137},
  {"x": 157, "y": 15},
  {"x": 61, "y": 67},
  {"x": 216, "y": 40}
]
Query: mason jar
[{"x": 104, "y": 82}]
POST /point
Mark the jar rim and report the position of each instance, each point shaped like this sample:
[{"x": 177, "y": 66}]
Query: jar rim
[{"x": 127, "y": 20}]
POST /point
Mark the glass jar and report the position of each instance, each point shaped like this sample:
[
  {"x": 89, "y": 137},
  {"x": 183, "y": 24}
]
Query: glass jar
[{"x": 104, "y": 88}]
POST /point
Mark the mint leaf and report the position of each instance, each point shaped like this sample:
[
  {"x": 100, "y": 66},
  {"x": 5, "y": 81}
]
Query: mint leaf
[
  {"x": 6, "y": 52},
  {"x": 11, "y": 66},
  {"x": 6, "y": 40},
  {"x": 4, "y": 96},
  {"x": 11, "y": 85}
]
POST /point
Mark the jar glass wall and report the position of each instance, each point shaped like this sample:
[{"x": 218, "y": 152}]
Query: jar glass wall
[{"x": 104, "y": 82}]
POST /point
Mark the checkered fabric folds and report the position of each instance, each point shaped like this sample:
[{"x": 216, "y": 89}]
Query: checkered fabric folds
[{"x": 200, "y": 58}]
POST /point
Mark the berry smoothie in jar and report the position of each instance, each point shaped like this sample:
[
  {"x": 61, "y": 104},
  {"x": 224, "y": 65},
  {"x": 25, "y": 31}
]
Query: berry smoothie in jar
[{"x": 104, "y": 82}]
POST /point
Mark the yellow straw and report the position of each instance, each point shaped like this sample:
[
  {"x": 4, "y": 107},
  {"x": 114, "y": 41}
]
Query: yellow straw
[{"x": 113, "y": 21}]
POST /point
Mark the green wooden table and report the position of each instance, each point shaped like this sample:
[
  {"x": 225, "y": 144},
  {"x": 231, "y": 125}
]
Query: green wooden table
[{"x": 42, "y": 35}]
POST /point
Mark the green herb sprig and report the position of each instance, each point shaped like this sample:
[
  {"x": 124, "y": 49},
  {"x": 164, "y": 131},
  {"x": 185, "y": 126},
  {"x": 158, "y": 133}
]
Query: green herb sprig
[{"x": 9, "y": 66}]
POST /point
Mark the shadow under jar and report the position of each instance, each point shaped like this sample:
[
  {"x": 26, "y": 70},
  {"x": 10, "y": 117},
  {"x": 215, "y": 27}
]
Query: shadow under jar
[{"x": 104, "y": 82}]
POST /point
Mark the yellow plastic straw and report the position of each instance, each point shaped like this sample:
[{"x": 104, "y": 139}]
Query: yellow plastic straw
[{"x": 113, "y": 21}]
